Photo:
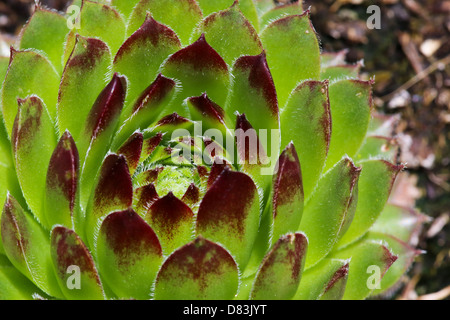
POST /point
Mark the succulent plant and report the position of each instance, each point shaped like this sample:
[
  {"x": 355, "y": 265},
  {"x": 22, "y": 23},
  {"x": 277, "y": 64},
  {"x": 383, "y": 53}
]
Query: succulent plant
[{"x": 182, "y": 149}]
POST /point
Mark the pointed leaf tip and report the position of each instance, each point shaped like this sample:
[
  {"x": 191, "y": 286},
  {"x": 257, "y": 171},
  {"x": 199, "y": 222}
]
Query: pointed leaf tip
[
  {"x": 280, "y": 272},
  {"x": 62, "y": 182}
]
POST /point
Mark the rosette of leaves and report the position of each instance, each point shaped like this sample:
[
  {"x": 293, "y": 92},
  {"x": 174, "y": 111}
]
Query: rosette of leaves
[{"x": 111, "y": 190}]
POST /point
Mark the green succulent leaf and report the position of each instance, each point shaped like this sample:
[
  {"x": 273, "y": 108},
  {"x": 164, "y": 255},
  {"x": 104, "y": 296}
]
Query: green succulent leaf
[
  {"x": 378, "y": 147},
  {"x": 293, "y": 53},
  {"x": 399, "y": 221},
  {"x": 229, "y": 214},
  {"x": 14, "y": 285},
  {"x": 46, "y": 31},
  {"x": 98, "y": 132},
  {"x": 369, "y": 262},
  {"x": 351, "y": 105},
  {"x": 325, "y": 213},
  {"x": 33, "y": 140},
  {"x": 62, "y": 184},
  {"x": 141, "y": 55},
  {"x": 253, "y": 93},
  {"x": 20, "y": 83},
  {"x": 280, "y": 272},
  {"x": 183, "y": 18},
  {"x": 241, "y": 38},
  {"x": 374, "y": 187},
  {"x": 172, "y": 220},
  {"x": 82, "y": 81},
  {"x": 287, "y": 198},
  {"x": 74, "y": 267},
  {"x": 280, "y": 12},
  {"x": 129, "y": 254},
  {"x": 405, "y": 256},
  {"x": 327, "y": 281},
  {"x": 199, "y": 68},
  {"x": 124, "y": 7},
  {"x": 113, "y": 191},
  {"x": 103, "y": 22},
  {"x": 199, "y": 270},
  {"x": 306, "y": 121},
  {"x": 147, "y": 108},
  {"x": 26, "y": 245},
  {"x": 132, "y": 149}
]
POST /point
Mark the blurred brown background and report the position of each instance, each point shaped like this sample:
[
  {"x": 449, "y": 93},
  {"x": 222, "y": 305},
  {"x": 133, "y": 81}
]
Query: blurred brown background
[{"x": 410, "y": 59}]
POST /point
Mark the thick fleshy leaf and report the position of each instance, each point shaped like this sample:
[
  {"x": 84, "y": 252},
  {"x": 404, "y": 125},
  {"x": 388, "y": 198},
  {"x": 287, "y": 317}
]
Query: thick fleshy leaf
[
  {"x": 132, "y": 149},
  {"x": 62, "y": 186},
  {"x": 253, "y": 93},
  {"x": 280, "y": 272},
  {"x": 143, "y": 198},
  {"x": 149, "y": 145},
  {"x": 325, "y": 212},
  {"x": 327, "y": 280},
  {"x": 14, "y": 285},
  {"x": 400, "y": 222},
  {"x": 309, "y": 109},
  {"x": 245, "y": 6},
  {"x": 33, "y": 140},
  {"x": 293, "y": 53},
  {"x": 129, "y": 254},
  {"x": 124, "y": 7},
  {"x": 340, "y": 72},
  {"x": 184, "y": 16},
  {"x": 200, "y": 69},
  {"x": 113, "y": 192},
  {"x": 20, "y": 83},
  {"x": 26, "y": 245},
  {"x": 102, "y": 22},
  {"x": 74, "y": 266},
  {"x": 204, "y": 110},
  {"x": 230, "y": 34},
  {"x": 378, "y": 147},
  {"x": 252, "y": 155},
  {"x": 46, "y": 31},
  {"x": 229, "y": 214},
  {"x": 82, "y": 81},
  {"x": 369, "y": 262},
  {"x": 98, "y": 132},
  {"x": 287, "y": 197},
  {"x": 199, "y": 270},
  {"x": 405, "y": 254},
  {"x": 279, "y": 12},
  {"x": 141, "y": 55},
  {"x": 147, "y": 108},
  {"x": 172, "y": 221},
  {"x": 351, "y": 104},
  {"x": 192, "y": 196},
  {"x": 374, "y": 187},
  {"x": 216, "y": 169}
]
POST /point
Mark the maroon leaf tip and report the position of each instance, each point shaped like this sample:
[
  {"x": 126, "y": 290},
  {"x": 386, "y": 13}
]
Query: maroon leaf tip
[
  {"x": 108, "y": 105},
  {"x": 227, "y": 201},
  {"x": 114, "y": 186},
  {"x": 172, "y": 119},
  {"x": 63, "y": 170},
  {"x": 200, "y": 55},
  {"x": 260, "y": 77},
  {"x": 192, "y": 195},
  {"x": 341, "y": 273},
  {"x": 127, "y": 232},
  {"x": 132, "y": 149},
  {"x": 155, "y": 92},
  {"x": 288, "y": 180},
  {"x": 207, "y": 107}
]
